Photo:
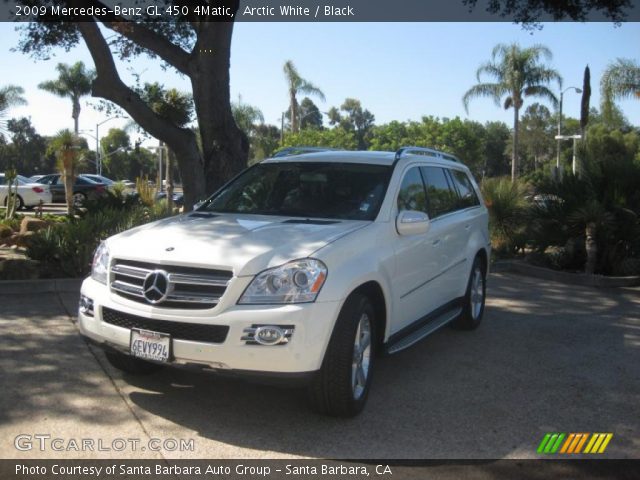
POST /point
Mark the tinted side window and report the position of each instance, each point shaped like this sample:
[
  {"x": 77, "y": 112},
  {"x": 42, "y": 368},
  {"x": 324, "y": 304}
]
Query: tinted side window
[
  {"x": 411, "y": 196},
  {"x": 468, "y": 197},
  {"x": 442, "y": 197}
]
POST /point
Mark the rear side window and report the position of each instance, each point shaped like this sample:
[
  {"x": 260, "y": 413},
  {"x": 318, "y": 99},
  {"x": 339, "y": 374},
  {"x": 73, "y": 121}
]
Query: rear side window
[
  {"x": 468, "y": 197},
  {"x": 442, "y": 197},
  {"x": 412, "y": 196}
]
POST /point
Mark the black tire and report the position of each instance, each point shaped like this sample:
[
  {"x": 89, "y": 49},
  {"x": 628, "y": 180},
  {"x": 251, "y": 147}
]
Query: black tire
[
  {"x": 130, "y": 364},
  {"x": 333, "y": 391},
  {"x": 471, "y": 315},
  {"x": 19, "y": 202},
  {"x": 79, "y": 199}
]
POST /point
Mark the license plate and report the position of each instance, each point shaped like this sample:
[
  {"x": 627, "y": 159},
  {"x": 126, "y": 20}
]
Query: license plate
[{"x": 149, "y": 345}]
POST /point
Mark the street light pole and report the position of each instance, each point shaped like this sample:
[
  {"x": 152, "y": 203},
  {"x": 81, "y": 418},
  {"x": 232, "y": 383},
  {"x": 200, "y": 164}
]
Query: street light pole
[
  {"x": 578, "y": 90},
  {"x": 575, "y": 138}
]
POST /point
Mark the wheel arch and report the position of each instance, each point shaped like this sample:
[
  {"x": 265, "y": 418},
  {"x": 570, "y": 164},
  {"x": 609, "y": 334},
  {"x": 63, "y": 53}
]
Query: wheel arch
[{"x": 373, "y": 290}]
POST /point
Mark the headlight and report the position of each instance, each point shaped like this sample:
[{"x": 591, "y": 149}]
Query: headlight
[
  {"x": 295, "y": 282},
  {"x": 100, "y": 265}
]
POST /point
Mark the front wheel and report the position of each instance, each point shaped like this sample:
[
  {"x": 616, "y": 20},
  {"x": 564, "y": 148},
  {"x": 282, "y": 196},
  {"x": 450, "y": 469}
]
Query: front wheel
[
  {"x": 474, "y": 299},
  {"x": 342, "y": 385}
]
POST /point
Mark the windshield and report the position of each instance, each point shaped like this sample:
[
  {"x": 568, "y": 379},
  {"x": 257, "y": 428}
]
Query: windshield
[{"x": 348, "y": 191}]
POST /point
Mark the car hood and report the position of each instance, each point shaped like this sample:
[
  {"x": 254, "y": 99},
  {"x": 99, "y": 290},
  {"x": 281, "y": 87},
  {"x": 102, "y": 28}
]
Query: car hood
[{"x": 246, "y": 244}]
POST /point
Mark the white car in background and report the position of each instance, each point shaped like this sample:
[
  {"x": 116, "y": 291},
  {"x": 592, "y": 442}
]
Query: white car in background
[{"x": 29, "y": 194}]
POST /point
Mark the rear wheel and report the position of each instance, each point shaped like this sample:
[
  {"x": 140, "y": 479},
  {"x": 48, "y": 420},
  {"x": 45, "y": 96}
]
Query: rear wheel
[
  {"x": 130, "y": 364},
  {"x": 19, "y": 202},
  {"x": 78, "y": 199},
  {"x": 342, "y": 385},
  {"x": 474, "y": 299}
]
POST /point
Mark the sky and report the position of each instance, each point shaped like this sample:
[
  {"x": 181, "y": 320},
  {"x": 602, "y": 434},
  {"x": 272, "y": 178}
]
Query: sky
[{"x": 399, "y": 71}]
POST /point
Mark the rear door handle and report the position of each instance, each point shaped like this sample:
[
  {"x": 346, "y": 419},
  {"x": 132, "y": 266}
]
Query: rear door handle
[
  {"x": 467, "y": 227},
  {"x": 435, "y": 242}
]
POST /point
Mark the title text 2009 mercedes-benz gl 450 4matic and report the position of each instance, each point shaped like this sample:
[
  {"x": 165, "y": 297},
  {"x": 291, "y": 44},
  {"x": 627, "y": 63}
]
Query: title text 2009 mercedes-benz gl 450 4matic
[{"x": 304, "y": 267}]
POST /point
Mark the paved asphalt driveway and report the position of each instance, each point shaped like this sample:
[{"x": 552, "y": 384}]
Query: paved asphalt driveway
[{"x": 547, "y": 358}]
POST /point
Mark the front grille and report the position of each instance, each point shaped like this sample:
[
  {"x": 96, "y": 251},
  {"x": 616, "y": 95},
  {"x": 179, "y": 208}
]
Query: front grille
[
  {"x": 187, "y": 287},
  {"x": 181, "y": 331}
]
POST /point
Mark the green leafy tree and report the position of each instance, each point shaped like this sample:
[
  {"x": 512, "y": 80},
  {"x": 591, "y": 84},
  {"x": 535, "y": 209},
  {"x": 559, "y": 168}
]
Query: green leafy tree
[
  {"x": 537, "y": 133},
  {"x": 328, "y": 137},
  {"x": 297, "y": 85},
  {"x": 356, "y": 119},
  {"x": 620, "y": 80},
  {"x": 10, "y": 96},
  {"x": 516, "y": 73},
  {"x": 265, "y": 142},
  {"x": 495, "y": 158},
  {"x": 73, "y": 82},
  {"x": 390, "y": 136},
  {"x": 310, "y": 115},
  {"x": 26, "y": 151},
  {"x": 116, "y": 159},
  {"x": 529, "y": 12}
]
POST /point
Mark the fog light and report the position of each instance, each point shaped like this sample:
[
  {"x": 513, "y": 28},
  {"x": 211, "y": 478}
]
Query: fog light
[
  {"x": 86, "y": 306},
  {"x": 268, "y": 335}
]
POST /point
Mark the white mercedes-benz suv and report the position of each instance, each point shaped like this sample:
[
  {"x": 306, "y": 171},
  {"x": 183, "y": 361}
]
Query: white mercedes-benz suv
[{"x": 303, "y": 267}]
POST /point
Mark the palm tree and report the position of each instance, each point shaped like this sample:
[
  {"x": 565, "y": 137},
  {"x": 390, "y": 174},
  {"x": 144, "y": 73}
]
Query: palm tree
[
  {"x": 10, "y": 96},
  {"x": 66, "y": 146},
  {"x": 74, "y": 82},
  {"x": 620, "y": 80},
  {"x": 296, "y": 85},
  {"x": 517, "y": 73}
]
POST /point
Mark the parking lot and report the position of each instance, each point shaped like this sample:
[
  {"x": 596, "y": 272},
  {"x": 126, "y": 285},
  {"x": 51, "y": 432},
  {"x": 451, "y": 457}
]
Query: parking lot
[{"x": 547, "y": 358}]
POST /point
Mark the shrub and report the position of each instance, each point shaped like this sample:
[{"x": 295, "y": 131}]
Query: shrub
[
  {"x": 146, "y": 192},
  {"x": 507, "y": 212}
]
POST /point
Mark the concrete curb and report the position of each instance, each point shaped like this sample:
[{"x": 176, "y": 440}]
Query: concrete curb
[
  {"x": 28, "y": 287},
  {"x": 581, "y": 279}
]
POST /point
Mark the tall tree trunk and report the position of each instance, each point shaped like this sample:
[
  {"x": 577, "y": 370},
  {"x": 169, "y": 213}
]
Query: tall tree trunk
[
  {"x": 293, "y": 111},
  {"x": 75, "y": 113},
  {"x": 169, "y": 177},
  {"x": 68, "y": 174},
  {"x": 514, "y": 153},
  {"x": 591, "y": 248},
  {"x": 225, "y": 147}
]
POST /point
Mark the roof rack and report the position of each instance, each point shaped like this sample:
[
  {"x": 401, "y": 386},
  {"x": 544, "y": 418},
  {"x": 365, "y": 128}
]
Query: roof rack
[
  {"x": 289, "y": 151},
  {"x": 427, "y": 152}
]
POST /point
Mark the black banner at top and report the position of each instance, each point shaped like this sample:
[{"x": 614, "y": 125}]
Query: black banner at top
[{"x": 320, "y": 10}]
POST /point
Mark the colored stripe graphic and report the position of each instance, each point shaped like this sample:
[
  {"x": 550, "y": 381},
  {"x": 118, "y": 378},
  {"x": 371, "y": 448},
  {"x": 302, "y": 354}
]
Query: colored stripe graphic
[
  {"x": 598, "y": 442},
  {"x": 543, "y": 443},
  {"x": 573, "y": 443}
]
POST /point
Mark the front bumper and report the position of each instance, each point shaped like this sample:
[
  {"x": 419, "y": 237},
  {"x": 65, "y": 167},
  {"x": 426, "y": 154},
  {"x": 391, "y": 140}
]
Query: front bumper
[{"x": 312, "y": 327}]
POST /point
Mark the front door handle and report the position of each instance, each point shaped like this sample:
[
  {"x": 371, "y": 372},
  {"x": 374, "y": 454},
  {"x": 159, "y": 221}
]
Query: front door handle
[{"x": 436, "y": 242}]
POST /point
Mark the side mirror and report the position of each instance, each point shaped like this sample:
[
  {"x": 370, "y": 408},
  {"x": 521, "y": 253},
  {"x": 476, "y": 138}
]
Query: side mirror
[{"x": 411, "y": 222}]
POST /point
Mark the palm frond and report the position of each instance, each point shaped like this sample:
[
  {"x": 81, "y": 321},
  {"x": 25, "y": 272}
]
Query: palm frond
[
  {"x": 541, "y": 91},
  {"x": 308, "y": 88},
  {"x": 621, "y": 80},
  {"x": 491, "y": 90}
]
